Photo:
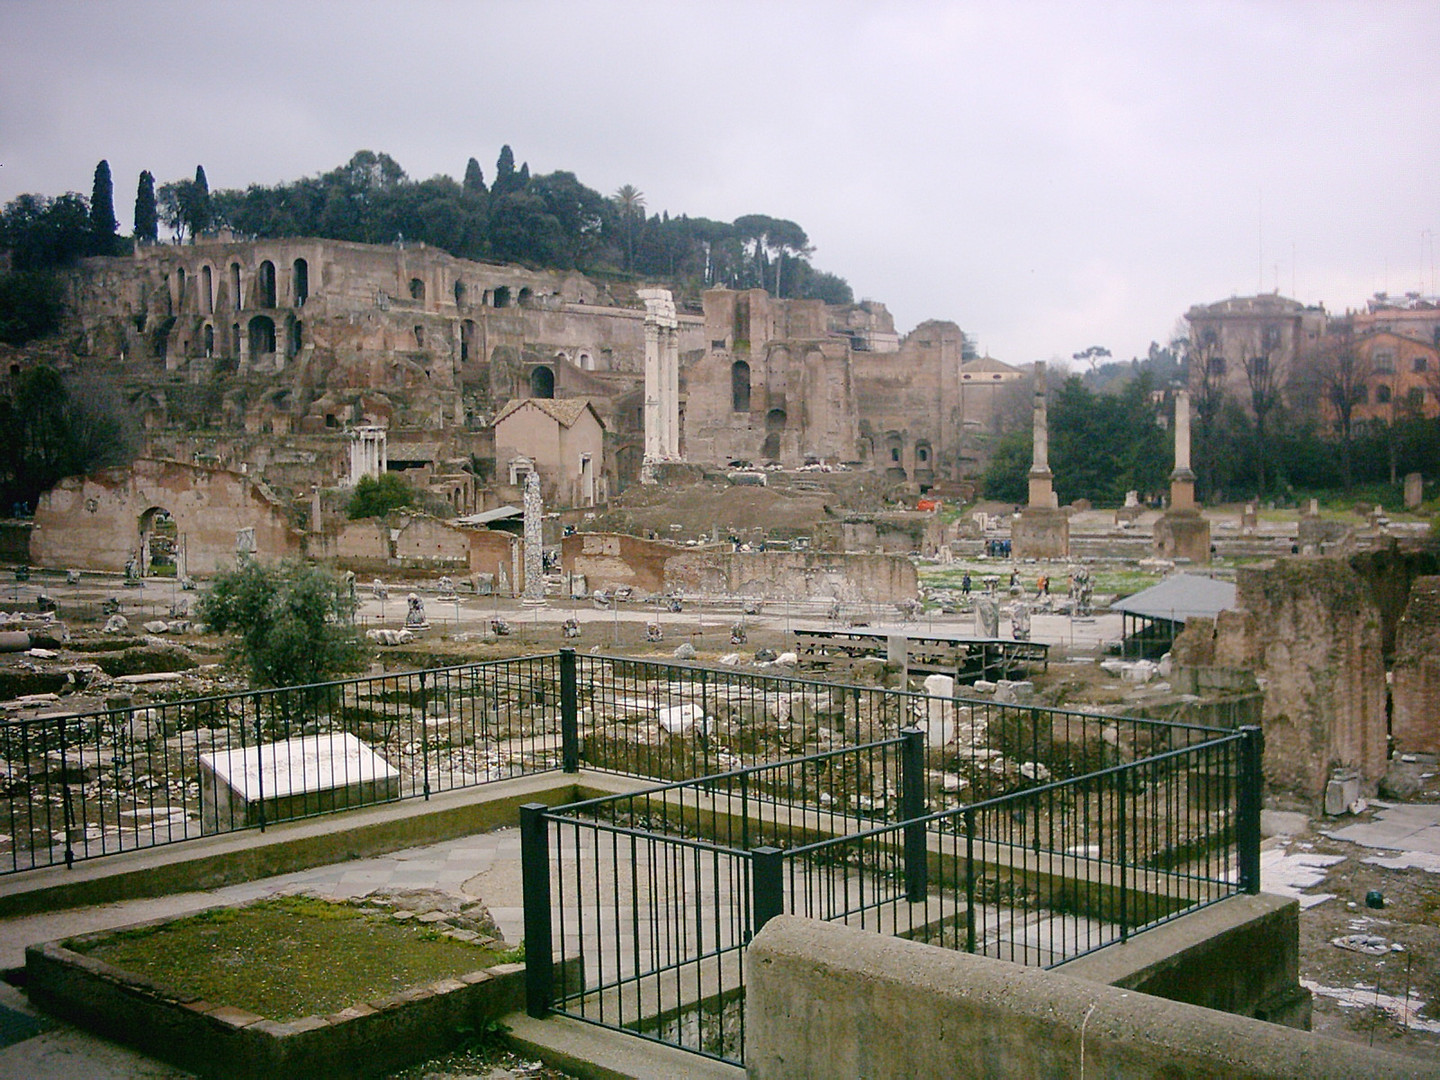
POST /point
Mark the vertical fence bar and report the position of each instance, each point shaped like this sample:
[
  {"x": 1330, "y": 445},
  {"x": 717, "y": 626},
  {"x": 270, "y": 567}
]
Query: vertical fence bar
[
  {"x": 1247, "y": 810},
  {"x": 259, "y": 758},
  {"x": 535, "y": 889},
  {"x": 424, "y": 734},
  {"x": 569, "y": 714},
  {"x": 912, "y": 808},
  {"x": 1121, "y": 854},
  {"x": 767, "y": 885},
  {"x": 969, "y": 881}
]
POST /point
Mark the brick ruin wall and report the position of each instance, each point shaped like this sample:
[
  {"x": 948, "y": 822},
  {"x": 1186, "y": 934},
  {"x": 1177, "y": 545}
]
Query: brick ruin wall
[
  {"x": 1310, "y": 631},
  {"x": 1415, "y": 677}
]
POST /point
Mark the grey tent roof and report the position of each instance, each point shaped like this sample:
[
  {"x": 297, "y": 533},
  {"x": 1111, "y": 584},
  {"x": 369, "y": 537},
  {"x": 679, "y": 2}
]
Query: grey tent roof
[{"x": 1179, "y": 597}]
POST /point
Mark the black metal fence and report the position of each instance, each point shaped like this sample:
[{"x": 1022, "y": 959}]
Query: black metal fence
[
  {"x": 80, "y": 786},
  {"x": 659, "y": 892},
  {"x": 87, "y": 785}
]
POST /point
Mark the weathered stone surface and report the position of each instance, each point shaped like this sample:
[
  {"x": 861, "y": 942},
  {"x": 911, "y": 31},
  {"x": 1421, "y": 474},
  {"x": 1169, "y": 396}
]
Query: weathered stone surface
[{"x": 1415, "y": 689}]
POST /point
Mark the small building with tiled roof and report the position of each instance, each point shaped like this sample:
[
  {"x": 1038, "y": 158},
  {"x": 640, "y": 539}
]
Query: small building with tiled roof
[{"x": 563, "y": 439}]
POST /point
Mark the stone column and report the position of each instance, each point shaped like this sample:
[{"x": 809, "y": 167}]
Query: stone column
[
  {"x": 534, "y": 544},
  {"x": 1182, "y": 480},
  {"x": 1042, "y": 490},
  {"x": 662, "y": 381},
  {"x": 1042, "y": 531},
  {"x": 1182, "y": 532}
]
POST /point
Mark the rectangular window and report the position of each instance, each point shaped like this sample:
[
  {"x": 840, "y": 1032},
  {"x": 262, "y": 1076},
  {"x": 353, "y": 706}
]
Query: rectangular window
[
  {"x": 1384, "y": 363},
  {"x": 1418, "y": 365}
]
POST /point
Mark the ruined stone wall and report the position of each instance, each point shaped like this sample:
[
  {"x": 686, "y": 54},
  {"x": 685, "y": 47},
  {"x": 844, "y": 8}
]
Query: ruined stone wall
[
  {"x": 422, "y": 544},
  {"x": 1415, "y": 677},
  {"x": 611, "y": 560},
  {"x": 794, "y": 575},
  {"x": 95, "y": 522},
  {"x": 772, "y": 385},
  {"x": 909, "y": 404},
  {"x": 1311, "y": 632}
]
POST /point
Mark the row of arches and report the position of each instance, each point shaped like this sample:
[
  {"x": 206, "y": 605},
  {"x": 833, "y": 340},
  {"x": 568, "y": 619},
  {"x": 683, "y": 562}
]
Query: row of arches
[{"x": 266, "y": 293}]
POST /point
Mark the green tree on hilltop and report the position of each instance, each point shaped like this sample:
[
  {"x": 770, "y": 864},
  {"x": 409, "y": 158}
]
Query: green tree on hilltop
[
  {"x": 103, "y": 226},
  {"x": 147, "y": 216}
]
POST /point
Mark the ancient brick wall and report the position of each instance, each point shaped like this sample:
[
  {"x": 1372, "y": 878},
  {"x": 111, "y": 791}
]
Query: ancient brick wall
[
  {"x": 97, "y": 522},
  {"x": 1415, "y": 677},
  {"x": 1311, "y": 632}
]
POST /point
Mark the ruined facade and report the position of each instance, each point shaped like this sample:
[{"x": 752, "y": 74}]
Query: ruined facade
[
  {"x": 192, "y": 518},
  {"x": 305, "y": 337},
  {"x": 1309, "y": 630},
  {"x": 797, "y": 381}
]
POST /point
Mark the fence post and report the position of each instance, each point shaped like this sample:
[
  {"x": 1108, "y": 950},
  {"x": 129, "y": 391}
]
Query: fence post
[
  {"x": 535, "y": 891},
  {"x": 912, "y": 808},
  {"x": 767, "y": 885},
  {"x": 569, "y": 714},
  {"x": 1247, "y": 810},
  {"x": 259, "y": 758},
  {"x": 425, "y": 734}
]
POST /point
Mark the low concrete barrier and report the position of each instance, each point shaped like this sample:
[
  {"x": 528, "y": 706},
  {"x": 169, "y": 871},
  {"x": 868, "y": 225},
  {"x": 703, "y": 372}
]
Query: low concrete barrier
[{"x": 826, "y": 1000}]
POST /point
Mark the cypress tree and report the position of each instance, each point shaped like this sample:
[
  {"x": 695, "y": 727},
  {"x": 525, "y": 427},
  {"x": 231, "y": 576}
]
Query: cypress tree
[
  {"x": 102, "y": 212},
  {"x": 147, "y": 217},
  {"x": 201, "y": 211},
  {"x": 474, "y": 178},
  {"x": 504, "y": 172}
]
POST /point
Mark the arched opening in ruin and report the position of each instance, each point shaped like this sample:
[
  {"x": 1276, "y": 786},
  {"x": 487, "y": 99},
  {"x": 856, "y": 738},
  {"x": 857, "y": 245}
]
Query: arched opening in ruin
[
  {"x": 296, "y": 338},
  {"x": 267, "y": 285},
  {"x": 542, "y": 382},
  {"x": 207, "y": 291},
  {"x": 179, "y": 288},
  {"x": 300, "y": 281},
  {"x": 587, "y": 362},
  {"x": 459, "y": 293},
  {"x": 417, "y": 289},
  {"x": 560, "y": 357},
  {"x": 774, "y": 428},
  {"x": 209, "y": 340},
  {"x": 160, "y": 550},
  {"x": 236, "y": 297},
  {"x": 740, "y": 386},
  {"x": 525, "y": 297},
  {"x": 502, "y": 296},
  {"x": 894, "y": 455},
  {"x": 262, "y": 336},
  {"x": 467, "y": 339},
  {"x": 419, "y": 337}
]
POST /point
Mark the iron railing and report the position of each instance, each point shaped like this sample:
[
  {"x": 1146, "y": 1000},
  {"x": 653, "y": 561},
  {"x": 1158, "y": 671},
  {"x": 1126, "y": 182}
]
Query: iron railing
[
  {"x": 82, "y": 786},
  {"x": 92, "y": 784},
  {"x": 658, "y": 892}
]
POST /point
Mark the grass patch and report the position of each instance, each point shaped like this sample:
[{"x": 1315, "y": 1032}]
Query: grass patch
[{"x": 288, "y": 957}]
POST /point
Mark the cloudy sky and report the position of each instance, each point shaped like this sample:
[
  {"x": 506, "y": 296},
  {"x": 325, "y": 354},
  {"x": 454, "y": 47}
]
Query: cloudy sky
[{"x": 1049, "y": 176}]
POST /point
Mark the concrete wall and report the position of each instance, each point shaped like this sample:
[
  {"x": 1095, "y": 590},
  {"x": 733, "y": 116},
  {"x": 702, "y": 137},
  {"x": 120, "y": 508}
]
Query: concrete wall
[
  {"x": 94, "y": 522},
  {"x": 826, "y": 1000}
]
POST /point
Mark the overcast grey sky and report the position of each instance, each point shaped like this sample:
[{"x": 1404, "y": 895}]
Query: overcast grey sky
[{"x": 1049, "y": 176}]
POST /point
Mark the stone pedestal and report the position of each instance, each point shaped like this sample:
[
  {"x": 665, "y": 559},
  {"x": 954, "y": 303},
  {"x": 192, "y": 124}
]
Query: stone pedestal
[
  {"x": 1040, "y": 533},
  {"x": 1183, "y": 534}
]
